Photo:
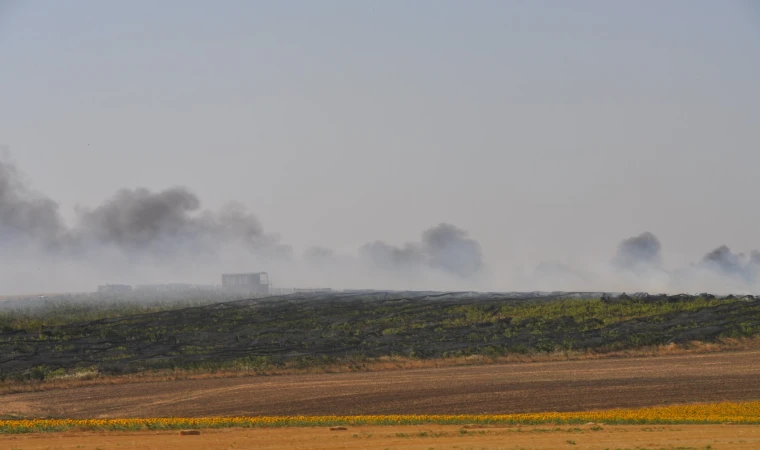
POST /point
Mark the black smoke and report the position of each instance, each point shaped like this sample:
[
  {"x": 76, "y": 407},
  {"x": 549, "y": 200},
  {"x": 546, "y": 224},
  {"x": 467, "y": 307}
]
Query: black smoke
[
  {"x": 449, "y": 249},
  {"x": 642, "y": 252},
  {"x": 135, "y": 221},
  {"x": 724, "y": 260},
  {"x": 139, "y": 219},
  {"x": 26, "y": 217},
  {"x": 444, "y": 247},
  {"x": 736, "y": 265}
]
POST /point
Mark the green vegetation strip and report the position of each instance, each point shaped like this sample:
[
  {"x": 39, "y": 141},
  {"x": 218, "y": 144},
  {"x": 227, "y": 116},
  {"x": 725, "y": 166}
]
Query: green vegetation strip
[{"x": 258, "y": 335}]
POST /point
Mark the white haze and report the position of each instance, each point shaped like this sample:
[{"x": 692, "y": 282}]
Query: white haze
[
  {"x": 491, "y": 145},
  {"x": 138, "y": 236}
]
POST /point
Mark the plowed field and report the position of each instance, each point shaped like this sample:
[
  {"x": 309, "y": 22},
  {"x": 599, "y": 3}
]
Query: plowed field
[{"x": 508, "y": 388}]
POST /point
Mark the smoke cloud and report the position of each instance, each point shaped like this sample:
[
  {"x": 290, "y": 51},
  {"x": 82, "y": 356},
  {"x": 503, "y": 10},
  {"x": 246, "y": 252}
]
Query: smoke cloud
[
  {"x": 143, "y": 236},
  {"x": 171, "y": 222},
  {"x": 729, "y": 264},
  {"x": 317, "y": 255},
  {"x": 137, "y": 219},
  {"x": 639, "y": 253},
  {"x": 724, "y": 260},
  {"x": 443, "y": 248},
  {"x": 133, "y": 220},
  {"x": 133, "y": 232},
  {"x": 450, "y": 250},
  {"x": 26, "y": 216},
  {"x": 754, "y": 257}
]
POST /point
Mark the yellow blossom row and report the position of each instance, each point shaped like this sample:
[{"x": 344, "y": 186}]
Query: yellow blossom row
[{"x": 742, "y": 412}]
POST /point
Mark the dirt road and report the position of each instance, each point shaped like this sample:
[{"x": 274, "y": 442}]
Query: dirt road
[
  {"x": 410, "y": 437},
  {"x": 509, "y": 388}
]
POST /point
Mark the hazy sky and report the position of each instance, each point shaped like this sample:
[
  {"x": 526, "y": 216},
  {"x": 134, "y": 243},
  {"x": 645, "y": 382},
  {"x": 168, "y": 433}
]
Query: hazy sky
[{"x": 548, "y": 130}]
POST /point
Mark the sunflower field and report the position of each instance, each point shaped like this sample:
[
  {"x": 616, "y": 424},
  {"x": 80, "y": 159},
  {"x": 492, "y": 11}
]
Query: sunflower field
[{"x": 727, "y": 412}]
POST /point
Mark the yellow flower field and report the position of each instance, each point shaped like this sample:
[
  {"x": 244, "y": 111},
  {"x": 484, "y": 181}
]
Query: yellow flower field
[{"x": 739, "y": 413}]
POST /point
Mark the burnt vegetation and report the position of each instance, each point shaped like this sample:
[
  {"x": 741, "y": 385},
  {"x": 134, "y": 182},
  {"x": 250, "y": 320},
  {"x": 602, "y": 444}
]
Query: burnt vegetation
[{"x": 311, "y": 329}]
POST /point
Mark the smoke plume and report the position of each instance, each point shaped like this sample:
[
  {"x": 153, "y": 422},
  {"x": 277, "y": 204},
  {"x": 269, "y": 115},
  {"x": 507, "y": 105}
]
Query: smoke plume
[
  {"x": 171, "y": 222},
  {"x": 444, "y": 248},
  {"x": 145, "y": 235},
  {"x": 133, "y": 221},
  {"x": 639, "y": 253},
  {"x": 139, "y": 235},
  {"x": 449, "y": 249},
  {"x": 724, "y": 260},
  {"x": 26, "y": 217},
  {"x": 727, "y": 263}
]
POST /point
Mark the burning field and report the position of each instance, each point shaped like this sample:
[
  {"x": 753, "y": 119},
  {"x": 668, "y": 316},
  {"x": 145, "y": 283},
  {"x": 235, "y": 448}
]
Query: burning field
[{"x": 64, "y": 339}]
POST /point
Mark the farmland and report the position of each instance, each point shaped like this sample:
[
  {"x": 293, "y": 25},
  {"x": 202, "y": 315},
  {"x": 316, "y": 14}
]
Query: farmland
[
  {"x": 581, "y": 385},
  {"x": 721, "y": 425},
  {"x": 536, "y": 371},
  {"x": 257, "y": 335},
  {"x": 420, "y": 437},
  {"x": 707, "y": 413}
]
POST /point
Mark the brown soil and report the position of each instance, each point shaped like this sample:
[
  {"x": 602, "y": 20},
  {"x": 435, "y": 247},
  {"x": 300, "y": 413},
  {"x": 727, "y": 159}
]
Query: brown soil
[
  {"x": 504, "y": 388},
  {"x": 411, "y": 437}
]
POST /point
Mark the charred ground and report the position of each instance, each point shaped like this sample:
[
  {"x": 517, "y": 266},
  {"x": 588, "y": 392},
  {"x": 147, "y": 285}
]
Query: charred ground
[{"x": 320, "y": 329}]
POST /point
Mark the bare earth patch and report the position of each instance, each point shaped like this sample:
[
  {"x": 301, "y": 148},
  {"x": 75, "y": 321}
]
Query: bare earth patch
[
  {"x": 505, "y": 388},
  {"x": 411, "y": 437}
]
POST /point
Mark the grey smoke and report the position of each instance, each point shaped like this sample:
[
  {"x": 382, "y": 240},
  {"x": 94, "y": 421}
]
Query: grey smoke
[
  {"x": 137, "y": 232},
  {"x": 386, "y": 256},
  {"x": 26, "y": 217},
  {"x": 318, "y": 254},
  {"x": 139, "y": 218},
  {"x": 639, "y": 253},
  {"x": 172, "y": 221},
  {"x": 444, "y": 248},
  {"x": 721, "y": 271},
  {"x": 754, "y": 257},
  {"x": 134, "y": 221},
  {"x": 450, "y": 250},
  {"x": 724, "y": 260}
]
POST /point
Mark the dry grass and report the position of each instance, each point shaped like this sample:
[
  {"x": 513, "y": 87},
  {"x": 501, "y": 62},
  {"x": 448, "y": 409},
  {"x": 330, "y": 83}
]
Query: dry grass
[{"x": 91, "y": 377}]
